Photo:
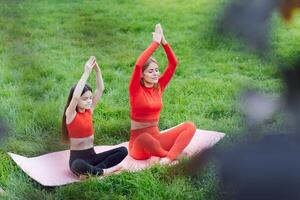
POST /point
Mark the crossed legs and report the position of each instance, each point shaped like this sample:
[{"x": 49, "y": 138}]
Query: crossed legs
[{"x": 170, "y": 143}]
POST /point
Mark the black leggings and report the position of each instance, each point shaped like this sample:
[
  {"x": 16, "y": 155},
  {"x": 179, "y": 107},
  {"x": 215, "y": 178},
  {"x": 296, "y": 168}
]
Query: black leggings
[{"x": 88, "y": 162}]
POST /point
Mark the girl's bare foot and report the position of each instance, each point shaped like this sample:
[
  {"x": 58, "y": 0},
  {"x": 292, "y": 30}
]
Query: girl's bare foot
[
  {"x": 111, "y": 170},
  {"x": 83, "y": 177}
]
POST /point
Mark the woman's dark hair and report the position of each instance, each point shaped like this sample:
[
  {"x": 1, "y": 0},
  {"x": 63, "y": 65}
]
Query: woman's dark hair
[{"x": 64, "y": 130}]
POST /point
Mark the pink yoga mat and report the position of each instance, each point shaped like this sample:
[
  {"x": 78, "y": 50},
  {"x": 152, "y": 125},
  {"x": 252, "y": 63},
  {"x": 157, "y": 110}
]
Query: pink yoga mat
[{"x": 52, "y": 169}]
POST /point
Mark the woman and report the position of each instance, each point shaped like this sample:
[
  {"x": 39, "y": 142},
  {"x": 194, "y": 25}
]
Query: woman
[
  {"x": 145, "y": 90},
  {"x": 77, "y": 128}
]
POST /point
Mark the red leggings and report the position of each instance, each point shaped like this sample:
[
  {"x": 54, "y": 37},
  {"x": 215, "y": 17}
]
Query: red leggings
[{"x": 148, "y": 142}]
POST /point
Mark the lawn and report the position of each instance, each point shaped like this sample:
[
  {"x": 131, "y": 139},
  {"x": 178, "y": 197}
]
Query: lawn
[{"x": 43, "y": 48}]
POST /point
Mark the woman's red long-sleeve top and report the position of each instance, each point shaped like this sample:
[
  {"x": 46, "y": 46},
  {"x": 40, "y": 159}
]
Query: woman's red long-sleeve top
[{"x": 146, "y": 103}]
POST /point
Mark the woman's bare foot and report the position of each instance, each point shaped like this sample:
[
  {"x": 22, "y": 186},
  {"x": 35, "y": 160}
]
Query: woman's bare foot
[
  {"x": 154, "y": 160},
  {"x": 181, "y": 156},
  {"x": 165, "y": 161},
  {"x": 174, "y": 162}
]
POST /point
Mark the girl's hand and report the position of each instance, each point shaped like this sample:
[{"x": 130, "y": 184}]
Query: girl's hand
[
  {"x": 159, "y": 30},
  {"x": 90, "y": 64},
  {"x": 96, "y": 67}
]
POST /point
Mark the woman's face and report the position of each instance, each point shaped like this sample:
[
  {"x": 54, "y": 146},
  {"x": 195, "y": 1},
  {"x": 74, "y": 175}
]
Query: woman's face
[
  {"x": 85, "y": 101},
  {"x": 151, "y": 73}
]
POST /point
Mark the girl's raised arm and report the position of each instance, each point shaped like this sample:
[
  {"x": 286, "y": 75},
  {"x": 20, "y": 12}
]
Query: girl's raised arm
[
  {"x": 99, "y": 86},
  {"x": 71, "y": 110}
]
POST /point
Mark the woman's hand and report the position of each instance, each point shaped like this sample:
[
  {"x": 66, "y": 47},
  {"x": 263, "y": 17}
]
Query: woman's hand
[
  {"x": 156, "y": 37},
  {"x": 90, "y": 64},
  {"x": 159, "y": 30}
]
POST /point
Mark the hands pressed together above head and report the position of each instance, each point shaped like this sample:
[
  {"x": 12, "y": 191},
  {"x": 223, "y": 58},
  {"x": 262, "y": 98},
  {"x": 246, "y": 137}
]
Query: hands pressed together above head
[
  {"x": 158, "y": 35},
  {"x": 91, "y": 64}
]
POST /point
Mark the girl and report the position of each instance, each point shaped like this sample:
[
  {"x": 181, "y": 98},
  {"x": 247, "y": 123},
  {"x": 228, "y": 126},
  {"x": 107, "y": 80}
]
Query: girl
[
  {"x": 77, "y": 127},
  {"x": 145, "y": 91}
]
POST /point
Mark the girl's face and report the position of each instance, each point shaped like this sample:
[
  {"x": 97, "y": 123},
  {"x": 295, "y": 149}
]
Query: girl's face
[
  {"x": 85, "y": 101},
  {"x": 151, "y": 74}
]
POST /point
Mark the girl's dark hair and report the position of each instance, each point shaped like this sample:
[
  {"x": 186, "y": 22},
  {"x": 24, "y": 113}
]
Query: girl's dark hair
[{"x": 64, "y": 130}]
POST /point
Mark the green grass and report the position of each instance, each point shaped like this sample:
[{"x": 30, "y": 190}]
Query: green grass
[{"x": 44, "y": 45}]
